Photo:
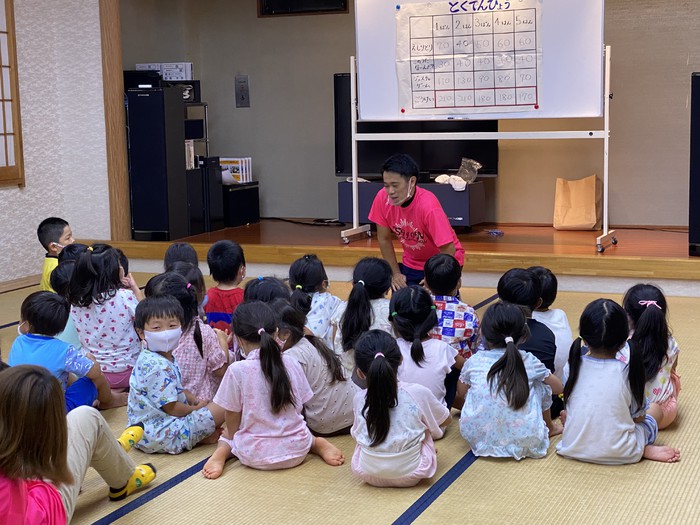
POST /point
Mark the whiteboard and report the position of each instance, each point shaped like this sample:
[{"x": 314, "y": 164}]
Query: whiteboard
[{"x": 571, "y": 41}]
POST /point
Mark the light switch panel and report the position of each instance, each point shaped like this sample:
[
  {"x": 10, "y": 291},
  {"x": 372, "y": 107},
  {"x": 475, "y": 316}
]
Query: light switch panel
[{"x": 242, "y": 91}]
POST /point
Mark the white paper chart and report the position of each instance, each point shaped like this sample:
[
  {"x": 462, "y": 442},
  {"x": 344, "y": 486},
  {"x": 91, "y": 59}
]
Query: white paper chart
[{"x": 475, "y": 56}]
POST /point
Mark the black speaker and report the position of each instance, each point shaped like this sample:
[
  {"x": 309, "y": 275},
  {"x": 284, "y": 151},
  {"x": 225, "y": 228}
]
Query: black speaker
[{"x": 694, "y": 190}]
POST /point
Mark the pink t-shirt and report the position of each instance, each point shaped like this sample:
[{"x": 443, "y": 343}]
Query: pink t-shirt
[
  {"x": 421, "y": 227},
  {"x": 264, "y": 438},
  {"x": 30, "y": 502},
  {"x": 107, "y": 331},
  {"x": 197, "y": 369}
]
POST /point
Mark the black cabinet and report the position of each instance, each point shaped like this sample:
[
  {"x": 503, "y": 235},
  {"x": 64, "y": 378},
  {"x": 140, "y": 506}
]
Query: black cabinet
[{"x": 241, "y": 204}]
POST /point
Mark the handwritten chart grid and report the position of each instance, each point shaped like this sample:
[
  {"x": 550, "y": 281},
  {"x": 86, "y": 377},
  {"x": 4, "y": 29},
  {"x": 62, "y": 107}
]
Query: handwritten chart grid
[{"x": 467, "y": 62}]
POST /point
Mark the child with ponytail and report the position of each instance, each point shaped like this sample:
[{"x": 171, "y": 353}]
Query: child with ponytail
[
  {"x": 426, "y": 361},
  {"x": 607, "y": 420},
  {"x": 329, "y": 411},
  {"x": 309, "y": 283},
  {"x": 103, "y": 312},
  {"x": 367, "y": 307},
  {"x": 508, "y": 391},
  {"x": 202, "y": 351},
  {"x": 647, "y": 310},
  {"x": 395, "y": 422},
  {"x": 263, "y": 397}
]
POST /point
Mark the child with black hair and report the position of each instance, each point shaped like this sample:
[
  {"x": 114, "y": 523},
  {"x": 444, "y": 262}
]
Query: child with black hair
[
  {"x": 202, "y": 351},
  {"x": 43, "y": 315},
  {"x": 647, "y": 311},
  {"x": 554, "y": 318},
  {"x": 309, "y": 283},
  {"x": 522, "y": 287},
  {"x": 103, "y": 312},
  {"x": 367, "y": 307},
  {"x": 193, "y": 275},
  {"x": 426, "y": 361},
  {"x": 266, "y": 289},
  {"x": 180, "y": 252},
  {"x": 606, "y": 417},
  {"x": 329, "y": 411},
  {"x": 60, "y": 282},
  {"x": 395, "y": 422},
  {"x": 174, "y": 419},
  {"x": 508, "y": 391},
  {"x": 264, "y": 396},
  {"x": 227, "y": 267},
  {"x": 458, "y": 324},
  {"x": 45, "y": 453},
  {"x": 54, "y": 234}
]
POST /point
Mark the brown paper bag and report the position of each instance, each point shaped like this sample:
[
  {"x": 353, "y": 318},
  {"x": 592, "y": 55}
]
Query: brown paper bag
[{"x": 577, "y": 204}]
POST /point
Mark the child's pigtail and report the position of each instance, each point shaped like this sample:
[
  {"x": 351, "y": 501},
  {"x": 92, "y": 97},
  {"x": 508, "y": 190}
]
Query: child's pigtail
[
  {"x": 300, "y": 299},
  {"x": 651, "y": 334},
  {"x": 574, "y": 367},
  {"x": 636, "y": 374},
  {"x": 510, "y": 372},
  {"x": 274, "y": 371},
  {"x": 357, "y": 317}
]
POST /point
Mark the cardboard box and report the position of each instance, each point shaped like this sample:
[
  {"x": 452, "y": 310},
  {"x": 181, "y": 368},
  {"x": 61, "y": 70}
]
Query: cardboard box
[{"x": 176, "y": 70}]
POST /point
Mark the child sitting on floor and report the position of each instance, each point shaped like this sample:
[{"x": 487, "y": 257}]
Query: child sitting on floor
[
  {"x": 606, "y": 417},
  {"x": 395, "y": 422},
  {"x": 309, "y": 283},
  {"x": 54, "y": 234},
  {"x": 174, "y": 420},
  {"x": 46, "y": 454},
  {"x": 508, "y": 391},
  {"x": 42, "y": 316},
  {"x": 264, "y": 396},
  {"x": 227, "y": 267}
]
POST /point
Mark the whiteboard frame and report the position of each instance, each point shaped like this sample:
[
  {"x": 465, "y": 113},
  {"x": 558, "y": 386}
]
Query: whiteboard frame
[{"x": 604, "y": 134}]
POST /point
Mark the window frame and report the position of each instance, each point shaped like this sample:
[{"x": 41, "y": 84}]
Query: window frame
[{"x": 13, "y": 175}]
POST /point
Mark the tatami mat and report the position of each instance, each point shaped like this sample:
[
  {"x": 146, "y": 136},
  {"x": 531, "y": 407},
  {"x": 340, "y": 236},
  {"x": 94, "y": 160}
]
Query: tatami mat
[{"x": 549, "y": 490}]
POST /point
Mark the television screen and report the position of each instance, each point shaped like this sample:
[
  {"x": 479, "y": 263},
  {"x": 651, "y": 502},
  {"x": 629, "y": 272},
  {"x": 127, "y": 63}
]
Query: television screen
[
  {"x": 289, "y": 7},
  {"x": 434, "y": 157}
]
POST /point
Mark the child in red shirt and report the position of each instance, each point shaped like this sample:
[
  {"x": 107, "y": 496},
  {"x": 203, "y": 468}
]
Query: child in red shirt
[{"x": 227, "y": 267}]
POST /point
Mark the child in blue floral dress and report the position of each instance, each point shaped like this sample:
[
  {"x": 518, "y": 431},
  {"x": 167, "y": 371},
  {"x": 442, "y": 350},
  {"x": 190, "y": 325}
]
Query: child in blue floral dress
[{"x": 508, "y": 391}]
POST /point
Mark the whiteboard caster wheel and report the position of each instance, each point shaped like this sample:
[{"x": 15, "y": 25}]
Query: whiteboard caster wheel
[
  {"x": 600, "y": 248},
  {"x": 346, "y": 240},
  {"x": 369, "y": 234},
  {"x": 614, "y": 241}
]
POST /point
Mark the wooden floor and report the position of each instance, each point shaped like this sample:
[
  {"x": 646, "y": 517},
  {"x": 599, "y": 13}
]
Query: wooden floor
[{"x": 640, "y": 253}]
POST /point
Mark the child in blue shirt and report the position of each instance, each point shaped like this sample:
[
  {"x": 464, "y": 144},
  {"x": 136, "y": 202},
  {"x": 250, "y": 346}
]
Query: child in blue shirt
[{"x": 42, "y": 316}]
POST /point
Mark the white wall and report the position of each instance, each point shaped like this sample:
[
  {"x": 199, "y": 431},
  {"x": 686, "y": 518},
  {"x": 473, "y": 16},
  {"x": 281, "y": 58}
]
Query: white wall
[{"x": 62, "y": 106}]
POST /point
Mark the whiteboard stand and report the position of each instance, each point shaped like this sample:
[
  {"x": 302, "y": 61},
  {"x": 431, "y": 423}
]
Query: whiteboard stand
[
  {"x": 608, "y": 235},
  {"x": 356, "y": 228}
]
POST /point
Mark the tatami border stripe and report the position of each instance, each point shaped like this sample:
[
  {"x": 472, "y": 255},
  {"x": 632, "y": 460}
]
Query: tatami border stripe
[
  {"x": 13, "y": 323},
  {"x": 485, "y": 302},
  {"x": 151, "y": 494},
  {"x": 436, "y": 490}
]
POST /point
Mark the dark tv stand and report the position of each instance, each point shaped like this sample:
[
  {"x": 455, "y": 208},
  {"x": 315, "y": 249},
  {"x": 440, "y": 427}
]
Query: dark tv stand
[{"x": 463, "y": 208}]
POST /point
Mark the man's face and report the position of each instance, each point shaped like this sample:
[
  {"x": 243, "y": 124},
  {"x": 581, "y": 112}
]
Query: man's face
[{"x": 397, "y": 187}]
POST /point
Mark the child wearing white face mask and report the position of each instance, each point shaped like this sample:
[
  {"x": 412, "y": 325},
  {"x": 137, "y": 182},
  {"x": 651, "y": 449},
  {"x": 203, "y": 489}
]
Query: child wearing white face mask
[{"x": 174, "y": 420}]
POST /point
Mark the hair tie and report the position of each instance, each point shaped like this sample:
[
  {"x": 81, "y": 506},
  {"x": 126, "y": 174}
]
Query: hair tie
[
  {"x": 509, "y": 339},
  {"x": 394, "y": 314},
  {"x": 260, "y": 278},
  {"x": 361, "y": 282},
  {"x": 298, "y": 287},
  {"x": 649, "y": 303},
  {"x": 90, "y": 248},
  {"x": 260, "y": 331},
  {"x": 432, "y": 307},
  {"x": 378, "y": 354},
  {"x": 189, "y": 285}
]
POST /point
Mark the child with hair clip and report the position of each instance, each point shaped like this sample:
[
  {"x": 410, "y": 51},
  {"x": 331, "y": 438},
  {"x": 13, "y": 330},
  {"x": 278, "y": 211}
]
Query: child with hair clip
[
  {"x": 395, "y": 422},
  {"x": 508, "y": 391},
  {"x": 647, "y": 311},
  {"x": 173, "y": 418},
  {"x": 202, "y": 351},
  {"x": 103, "y": 312},
  {"x": 60, "y": 280},
  {"x": 606, "y": 420},
  {"x": 227, "y": 267},
  {"x": 367, "y": 307},
  {"x": 193, "y": 275},
  {"x": 329, "y": 411},
  {"x": 309, "y": 283},
  {"x": 180, "y": 252},
  {"x": 266, "y": 289},
  {"x": 263, "y": 396},
  {"x": 426, "y": 361},
  {"x": 45, "y": 454}
]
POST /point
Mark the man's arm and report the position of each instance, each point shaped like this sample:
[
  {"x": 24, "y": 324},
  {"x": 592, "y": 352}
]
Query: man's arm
[
  {"x": 386, "y": 246},
  {"x": 449, "y": 249}
]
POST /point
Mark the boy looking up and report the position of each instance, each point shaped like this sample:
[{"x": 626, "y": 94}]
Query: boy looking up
[{"x": 54, "y": 234}]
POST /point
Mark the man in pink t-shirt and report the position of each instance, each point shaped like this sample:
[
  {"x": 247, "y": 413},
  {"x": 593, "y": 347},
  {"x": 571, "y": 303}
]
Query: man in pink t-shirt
[{"x": 416, "y": 217}]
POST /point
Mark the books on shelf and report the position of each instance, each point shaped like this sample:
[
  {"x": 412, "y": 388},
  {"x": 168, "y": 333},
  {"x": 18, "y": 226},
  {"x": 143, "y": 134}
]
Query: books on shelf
[
  {"x": 189, "y": 155},
  {"x": 236, "y": 170}
]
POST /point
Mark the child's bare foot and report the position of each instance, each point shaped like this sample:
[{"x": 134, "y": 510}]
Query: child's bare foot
[
  {"x": 118, "y": 400},
  {"x": 215, "y": 464},
  {"x": 555, "y": 428},
  {"x": 662, "y": 453},
  {"x": 328, "y": 452},
  {"x": 212, "y": 438},
  {"x": 562, "y": 417}
]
